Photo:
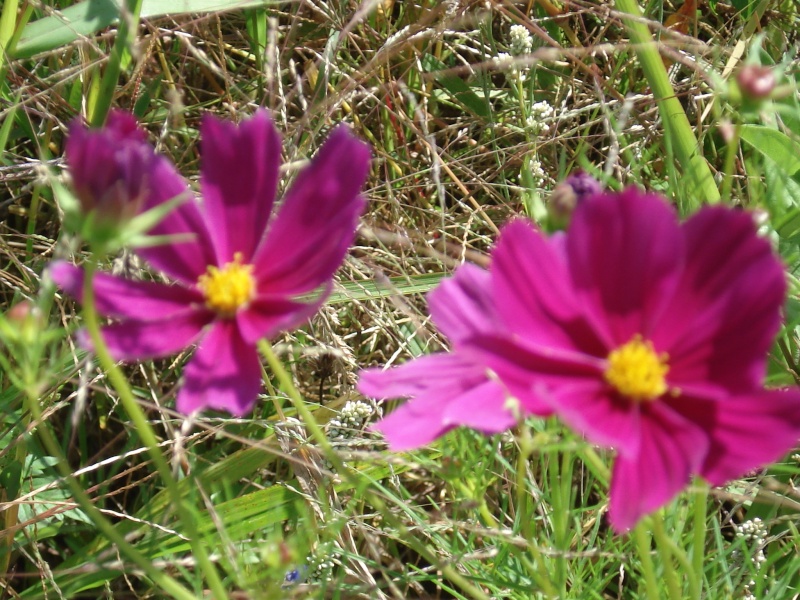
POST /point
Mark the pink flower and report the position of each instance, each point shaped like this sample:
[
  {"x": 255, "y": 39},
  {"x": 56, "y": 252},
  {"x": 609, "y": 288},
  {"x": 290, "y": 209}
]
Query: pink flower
[
  {"x": 446, "y": 389},
  {"x": 239, "y": 273},
  {"x": 648, "y": 336}
]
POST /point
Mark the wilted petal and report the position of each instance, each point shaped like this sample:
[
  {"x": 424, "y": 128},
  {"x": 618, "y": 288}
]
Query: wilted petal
[
  {"x": 136, "y": 339},
  {"x": 671, "y": 449},
  {"x": 239, "y": 182},
  {"x": 626, "y": 254},
  {"x": 224, "y": 373},
  {"x": 533, "y": 292},
  {"x": 116, "y": 297},
  {"x": 316, "y": 223},
  {"x": 751, "y": 431},
  {"x": 726, "y": 311}
]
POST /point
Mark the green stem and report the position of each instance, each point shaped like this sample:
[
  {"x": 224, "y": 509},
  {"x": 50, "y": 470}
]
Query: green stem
[
  {"x": 164, "y": 581},
  {"x": 126, "y": 36},
  {"x": 540, "y": 572},
  {"x": 730, "y": 159},
  {"x": 146, "y": 433},
  {"x": 665, "y": 550},
  {"x": 642, "y": 540},
  {"x": 700, "y": 503},
  {"x": 286, "y": 384},
  {"x": 701, "y": 186},
  {"x": 8, "y": 22}
]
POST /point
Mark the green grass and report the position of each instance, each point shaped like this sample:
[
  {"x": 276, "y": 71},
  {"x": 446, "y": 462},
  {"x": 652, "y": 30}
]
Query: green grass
[{"x": 519, "y": 515}]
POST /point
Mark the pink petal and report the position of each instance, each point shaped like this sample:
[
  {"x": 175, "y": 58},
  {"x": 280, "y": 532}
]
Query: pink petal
[
  {"x": 417, "y": 423},
  {"x": 484, "y": 408},
  {"x": 268, "y": 315},
  {"x": 534, "y": 294},
  {"x": 224, "y": 373},
  {"x": 316, "y": 224},
  {"x": 139, "y": 339},
  {"x": 750, "y": 432},
  {"x": 239, "y": 181},
  {"x": 446, "y": 372},
  {"x": 671, "y": 449},
  {"x": 626, "y": 254},
  {"x": 116, "y": 297},
  {"x": 726, "y": 310},
  {"x": 444, "y": 388},
  {"x": 462, "y": 305}
]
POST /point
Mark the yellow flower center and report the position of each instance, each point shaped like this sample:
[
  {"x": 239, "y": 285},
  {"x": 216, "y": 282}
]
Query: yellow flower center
[
  {"x": 636, "y": 371},
  {"x": 227, "y": 289}
]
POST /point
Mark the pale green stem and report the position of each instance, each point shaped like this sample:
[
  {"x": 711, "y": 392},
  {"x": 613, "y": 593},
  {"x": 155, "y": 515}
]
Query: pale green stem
[
  {"x": 701, "y": 186},
  {"x": 642, "y": 540},
  {"x": 126, "y": 36},
  {"x": 287, "y": 385},
  {"x": 731, "y": 150},
  {"x": 146, "y": 433},
  {"x": 665, "y": 551},
  {"x": 159, "y": 577},
  {"x": 8, "y": 23},
  {"x": 700, "y": 502},
  {"x": 540, "y": 574}
]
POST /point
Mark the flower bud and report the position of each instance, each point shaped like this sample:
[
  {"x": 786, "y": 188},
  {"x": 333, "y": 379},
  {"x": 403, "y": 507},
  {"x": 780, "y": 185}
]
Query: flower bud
[
  {"x": 569, "y": 193},
  {"x": 110, "y": 168},
  {"x": 756, "y": 82}
]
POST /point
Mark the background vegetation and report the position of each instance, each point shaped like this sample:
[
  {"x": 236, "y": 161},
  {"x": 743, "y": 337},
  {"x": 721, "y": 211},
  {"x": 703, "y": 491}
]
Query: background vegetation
[{"x": 471, "y": 123}]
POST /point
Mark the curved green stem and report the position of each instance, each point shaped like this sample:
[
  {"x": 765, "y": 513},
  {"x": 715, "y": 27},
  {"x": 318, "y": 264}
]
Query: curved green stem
[
  {"x": 642, "y": 540},
  {"x": 666, "y": 550},
  {"x": 699, "y": 508},
  {"x": 701, "y": 186},
  {"x": 146, "y": 433},
  {"x": 159, "y": 577},
  {"x": 286, "y": 384}
]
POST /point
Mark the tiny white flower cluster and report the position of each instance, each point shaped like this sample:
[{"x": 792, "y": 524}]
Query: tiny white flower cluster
[
  {"x": 540, "y": 113},
  {"x": 537, "y": 173},
  {"x": 754, "y": 533},
  {"x": 521, "y": 40},
  {"x": 350, "y": 422}
]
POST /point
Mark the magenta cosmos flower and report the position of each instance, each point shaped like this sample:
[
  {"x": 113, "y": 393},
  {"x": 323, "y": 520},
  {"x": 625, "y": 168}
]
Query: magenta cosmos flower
[
  {"x": 240, "y": 274},
  {"x": 647, "y": 336},
  {"x": 447, "y": 390}
]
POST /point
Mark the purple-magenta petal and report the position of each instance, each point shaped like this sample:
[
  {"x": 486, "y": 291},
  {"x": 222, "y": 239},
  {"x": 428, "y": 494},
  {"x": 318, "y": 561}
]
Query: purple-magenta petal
[
  {"x": 224, "y": 373},
  {"x": 239, "y": 182},
  {"x": 268, "y": 315},
  {"x": 626, "y": 254},
  {"x": 671, "y": 449},
  {"x": 462, "y": 305},
  {"x": 116, "y": 297},
  {"x": 533, "y": 292},
  {"x": 316, "y": 224},
  {"x": 726, "y": 311},
  {"x": 137, "y": 339},
  {"x": 750, "y": 432},
  {"x": 533, "y": 375}
]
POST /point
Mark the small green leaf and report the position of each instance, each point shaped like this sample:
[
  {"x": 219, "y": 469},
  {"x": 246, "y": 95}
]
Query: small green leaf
[{"x": 774, "y": 145}]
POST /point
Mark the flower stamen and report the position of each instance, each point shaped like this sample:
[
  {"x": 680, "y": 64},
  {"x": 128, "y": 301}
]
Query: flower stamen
[
  {"x": 636, "y": 371},
  {"x": 229, "y": 288}
]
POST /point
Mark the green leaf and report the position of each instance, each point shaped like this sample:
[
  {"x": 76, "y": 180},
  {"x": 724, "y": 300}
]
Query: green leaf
[
  {"x": 87, "y": 18},
  {"x": 774, "y": 145},
  {"x": 457, "y": 88}
]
